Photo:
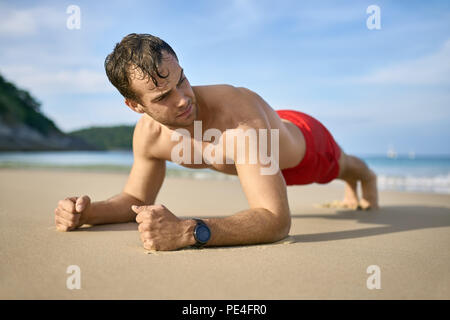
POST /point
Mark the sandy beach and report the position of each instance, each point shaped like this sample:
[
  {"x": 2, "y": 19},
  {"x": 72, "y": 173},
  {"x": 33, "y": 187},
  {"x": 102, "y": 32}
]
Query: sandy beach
[{"x": 325, "y": 257}]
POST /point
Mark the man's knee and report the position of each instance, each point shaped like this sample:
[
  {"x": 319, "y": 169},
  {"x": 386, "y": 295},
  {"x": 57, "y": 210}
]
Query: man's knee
[
  {"x": 343, "y": 165},
  {"x": 351, "y": 167}
]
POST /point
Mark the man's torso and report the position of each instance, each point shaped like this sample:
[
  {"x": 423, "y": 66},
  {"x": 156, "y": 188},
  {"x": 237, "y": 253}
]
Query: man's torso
[{"x": 228, "y": 108}]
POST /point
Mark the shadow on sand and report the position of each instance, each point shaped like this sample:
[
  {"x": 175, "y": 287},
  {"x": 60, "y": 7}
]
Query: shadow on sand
[
  {"x": 390, "y": 219},
  {"x": 130, "y": 226}
]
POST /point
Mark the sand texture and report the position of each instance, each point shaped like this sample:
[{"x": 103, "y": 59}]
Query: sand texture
[{"x": 325, "y": 256}]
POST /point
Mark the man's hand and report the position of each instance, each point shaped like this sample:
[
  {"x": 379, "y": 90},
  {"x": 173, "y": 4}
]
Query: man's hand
[
  {"x": 161, "y": 230},
  {"x": 71, "y": 213}
]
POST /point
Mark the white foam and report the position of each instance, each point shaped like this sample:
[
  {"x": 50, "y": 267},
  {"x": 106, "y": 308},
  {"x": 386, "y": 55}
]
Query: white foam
[{"x": 436, "y": 184}]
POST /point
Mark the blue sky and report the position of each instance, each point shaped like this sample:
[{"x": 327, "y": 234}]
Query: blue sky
[{"x": 372, "y": 88}]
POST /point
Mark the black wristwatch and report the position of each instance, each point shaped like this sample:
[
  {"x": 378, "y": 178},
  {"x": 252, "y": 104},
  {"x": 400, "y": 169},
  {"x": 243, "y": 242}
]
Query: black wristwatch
[{"x": 201, "y": 233}]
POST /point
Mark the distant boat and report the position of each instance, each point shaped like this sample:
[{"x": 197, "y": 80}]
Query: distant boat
[
  {"x": 391, "y": 153},
  {"x": 411, "y": 155}
]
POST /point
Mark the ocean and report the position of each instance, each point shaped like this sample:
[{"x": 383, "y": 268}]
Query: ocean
[{"x": 403, "y": 173}]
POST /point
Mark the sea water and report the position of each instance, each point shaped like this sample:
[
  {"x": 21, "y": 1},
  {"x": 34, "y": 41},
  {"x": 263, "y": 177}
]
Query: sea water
[
  {"x": 418, "y": 174},
  {"x": 421, "y": 173}
]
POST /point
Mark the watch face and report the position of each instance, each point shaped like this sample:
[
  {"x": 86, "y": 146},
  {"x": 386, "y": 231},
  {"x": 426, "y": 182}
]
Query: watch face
[{"x": 203, "y": 233}]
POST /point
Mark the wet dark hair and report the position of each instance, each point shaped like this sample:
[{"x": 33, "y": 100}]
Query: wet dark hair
[{"x": 141, "y": 52}]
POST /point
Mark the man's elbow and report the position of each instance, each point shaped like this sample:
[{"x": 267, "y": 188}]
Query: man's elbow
[{"x": 282, "y": 227}]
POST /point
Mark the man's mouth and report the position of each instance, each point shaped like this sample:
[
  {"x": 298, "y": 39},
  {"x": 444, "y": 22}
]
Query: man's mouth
[{"x": 186, "y": 112}]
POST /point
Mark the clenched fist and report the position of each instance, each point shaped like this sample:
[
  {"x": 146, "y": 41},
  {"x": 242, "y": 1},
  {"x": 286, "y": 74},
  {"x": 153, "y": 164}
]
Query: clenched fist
[
  {"x": 71, "y": 213},
  {"x": 160, "y": 229}
]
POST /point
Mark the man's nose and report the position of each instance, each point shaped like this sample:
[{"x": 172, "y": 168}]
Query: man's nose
[{"x": 182, "y": 100}]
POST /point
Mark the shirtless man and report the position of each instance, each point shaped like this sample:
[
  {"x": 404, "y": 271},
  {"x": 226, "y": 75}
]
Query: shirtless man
[{"x": 146, "y": 72}]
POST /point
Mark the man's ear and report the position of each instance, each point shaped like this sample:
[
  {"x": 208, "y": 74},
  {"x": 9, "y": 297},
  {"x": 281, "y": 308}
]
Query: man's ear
[{"x": 133, "y": 105}]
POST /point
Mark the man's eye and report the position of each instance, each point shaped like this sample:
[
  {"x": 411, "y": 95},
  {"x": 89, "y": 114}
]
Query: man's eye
[{"x": 161, "y": 98}]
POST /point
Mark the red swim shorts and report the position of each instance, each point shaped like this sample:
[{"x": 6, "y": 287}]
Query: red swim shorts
[{"x": 321, "y": 161}]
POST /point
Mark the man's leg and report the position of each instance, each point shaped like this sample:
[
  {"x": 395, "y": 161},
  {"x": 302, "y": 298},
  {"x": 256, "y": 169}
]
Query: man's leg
[
  {"x": 352, "y": 170},
  {"x": 351, "y": 200}
]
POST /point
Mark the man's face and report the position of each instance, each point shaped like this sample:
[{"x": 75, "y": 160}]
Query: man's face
[{"x": 173, "y": 102}]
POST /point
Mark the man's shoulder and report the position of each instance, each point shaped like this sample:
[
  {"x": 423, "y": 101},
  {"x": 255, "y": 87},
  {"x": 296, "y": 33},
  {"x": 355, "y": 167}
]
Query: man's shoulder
[
  {"x": 247, "y": 107},
  {"x": 239, "y": 101},
  {"x": 238, "y": 107},
  {"x": 146, "y": 133},
  {"x": 223, "y": 91},
  {"x": 217, "y": 92}
]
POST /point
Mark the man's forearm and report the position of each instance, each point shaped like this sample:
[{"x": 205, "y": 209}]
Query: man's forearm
[
  {"x": 116, "y": 209},
  {"x": 251, "y": 226}
]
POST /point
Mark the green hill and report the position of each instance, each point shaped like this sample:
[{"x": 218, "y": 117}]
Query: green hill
[
  {"x": 19, "y": 107},
  {"x": 23, "y": 127},
  {"x": 107, "y": 138}
]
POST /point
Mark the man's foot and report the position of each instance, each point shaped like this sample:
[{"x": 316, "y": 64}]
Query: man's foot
[
  {"x": 350, "y": 200},
  {"x": 342, "y": 204},
  {"x": 369, "y": 188}
]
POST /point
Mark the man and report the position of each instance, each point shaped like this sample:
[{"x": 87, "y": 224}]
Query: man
[{"x": 146, "y": 72}]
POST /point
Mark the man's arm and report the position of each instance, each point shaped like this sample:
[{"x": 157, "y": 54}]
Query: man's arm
[
  {"x": 143, "y": 185},
  {"x": 262, "y": 223},
  {"x": 267, "y": 220},
  {"x": 145, "y": 180}
]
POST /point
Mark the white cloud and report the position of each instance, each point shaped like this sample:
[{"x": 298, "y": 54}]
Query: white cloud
[
  {"x": 17, "y": 23},
  {"x": 93, "y": 112},
  {"x": 40, "y": 54},
  {"x": 58, "y": 82},
  {"x": 323, "y": 15},
  {"x": 433, "y": 69},
  {"x": 30, "y": 21},
  {"x": 243, "y": 14}
]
